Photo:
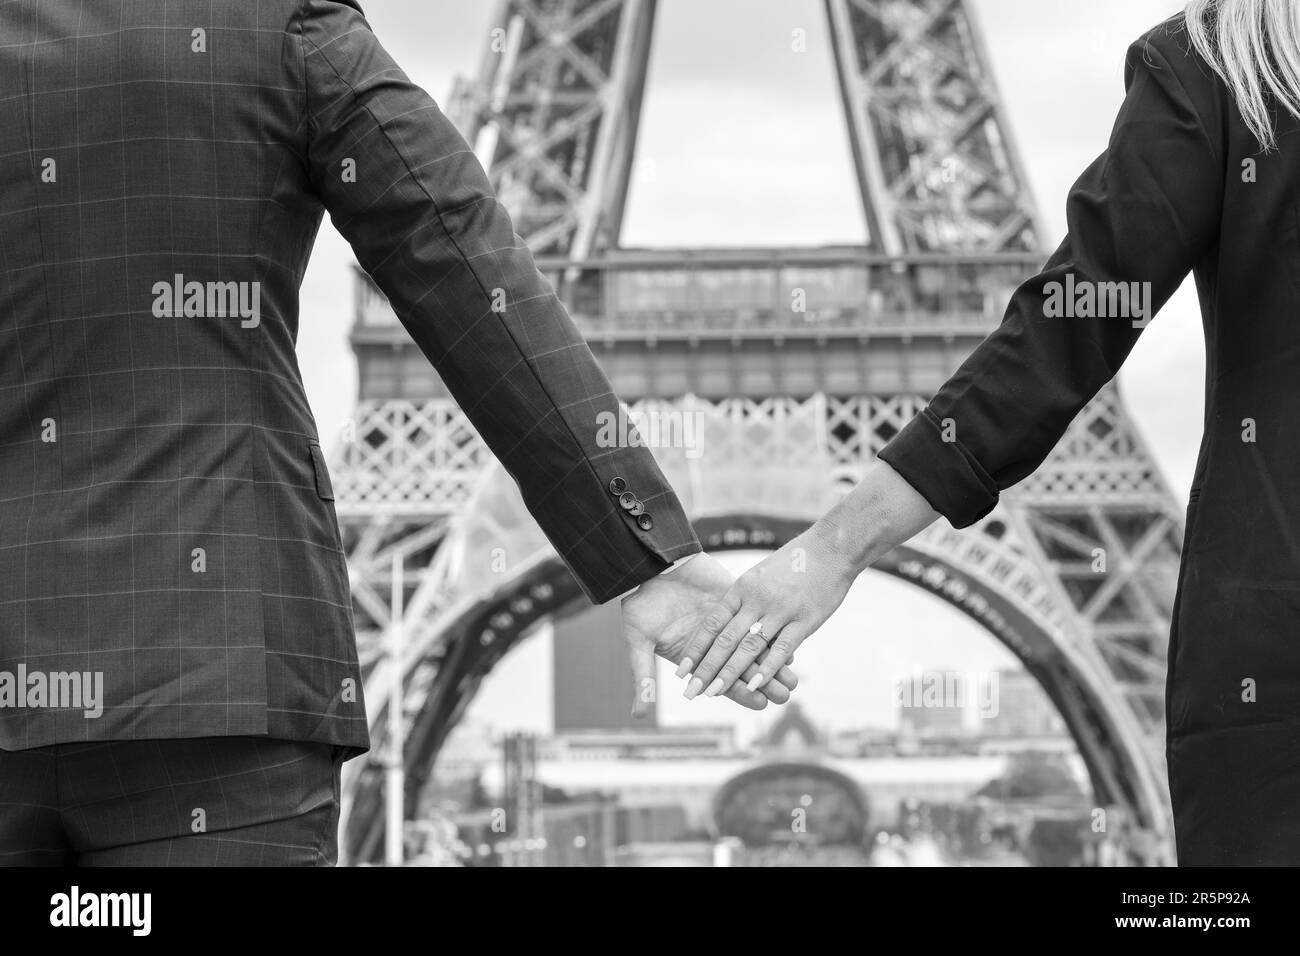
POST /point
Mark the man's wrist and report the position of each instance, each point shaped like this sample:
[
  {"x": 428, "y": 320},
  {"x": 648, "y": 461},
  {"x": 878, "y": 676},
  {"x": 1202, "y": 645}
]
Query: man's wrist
[{"x": 668, "y": 570}]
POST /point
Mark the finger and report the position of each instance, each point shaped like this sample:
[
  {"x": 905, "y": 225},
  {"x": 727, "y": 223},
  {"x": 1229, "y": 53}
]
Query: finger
[
  {"x": 715, "y": 619},
  {"x": 718, "y": 653},
  {"x": 773, "y": 690},
  {"x": 754, "y": 700},
  {"x": 778, "y": 655},
  {"x": 748, "y": 650},
  {"x": 776, "y": 691},
  {"x": 786, "y": 676},
  {"x": 727, "y": 642},
  {"x": 644, "y": 689}
]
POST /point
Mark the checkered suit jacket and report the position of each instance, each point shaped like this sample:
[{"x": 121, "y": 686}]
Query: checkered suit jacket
[{"x": 166, "y": 517}]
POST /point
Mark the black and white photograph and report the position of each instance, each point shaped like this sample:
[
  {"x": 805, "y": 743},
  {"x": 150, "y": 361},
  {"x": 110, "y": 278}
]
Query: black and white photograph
[{"x": 465, "y": 434}]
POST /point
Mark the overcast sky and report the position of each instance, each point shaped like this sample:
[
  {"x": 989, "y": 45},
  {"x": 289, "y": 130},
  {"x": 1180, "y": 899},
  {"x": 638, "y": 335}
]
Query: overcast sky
[{"x": 742, "y": 143}]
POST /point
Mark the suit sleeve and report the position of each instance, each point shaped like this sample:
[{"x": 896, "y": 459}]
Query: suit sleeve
[
  {"x": 424, "y": 222},
  {"x": 1146, "y": 211}
]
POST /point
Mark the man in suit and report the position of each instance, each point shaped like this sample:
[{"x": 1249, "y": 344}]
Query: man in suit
[{"x": 178, "y": 670}]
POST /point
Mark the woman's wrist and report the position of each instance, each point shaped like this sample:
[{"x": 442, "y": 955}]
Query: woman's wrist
[
  {"x": 845, "y": 539},
  {"x": 882, "y": 512}
]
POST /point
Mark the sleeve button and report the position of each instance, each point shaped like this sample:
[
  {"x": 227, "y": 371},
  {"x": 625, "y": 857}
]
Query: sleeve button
[
  {"x": 645, "y": 522},
  {"x": 627, "y": 500},
  {"x": 637, "y": 508},
  {"x": 617, "y": 486}
]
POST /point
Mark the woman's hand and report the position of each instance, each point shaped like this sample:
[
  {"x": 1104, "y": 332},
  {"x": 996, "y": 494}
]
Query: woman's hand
[
  {"x": 661, "y": 617},
  {"x": 794, "y": 591},
  {"x": 791, "y": 594}
]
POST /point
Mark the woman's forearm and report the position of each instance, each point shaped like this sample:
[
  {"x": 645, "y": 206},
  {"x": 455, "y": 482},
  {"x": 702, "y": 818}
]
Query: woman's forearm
[{"x": 882, "y": 512}]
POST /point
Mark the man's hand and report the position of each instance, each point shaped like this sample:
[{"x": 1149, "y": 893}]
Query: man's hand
[{"x": 660, "y": 617}]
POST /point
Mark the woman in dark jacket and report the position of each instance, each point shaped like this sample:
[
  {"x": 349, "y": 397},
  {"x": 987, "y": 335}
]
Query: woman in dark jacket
[{"x": 1201, "y": 174}]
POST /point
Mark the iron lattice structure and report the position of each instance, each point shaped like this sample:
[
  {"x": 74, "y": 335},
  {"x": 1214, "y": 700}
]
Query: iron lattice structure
[{"x": 1074, "y": 571}]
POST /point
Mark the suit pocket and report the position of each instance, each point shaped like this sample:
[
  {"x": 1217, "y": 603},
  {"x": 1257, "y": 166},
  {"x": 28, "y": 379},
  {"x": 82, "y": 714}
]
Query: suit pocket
[{"x": 323, "y": 487}]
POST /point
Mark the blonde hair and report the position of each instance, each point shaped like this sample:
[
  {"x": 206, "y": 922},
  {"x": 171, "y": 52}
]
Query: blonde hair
[{"x": 1254, "y": 45}]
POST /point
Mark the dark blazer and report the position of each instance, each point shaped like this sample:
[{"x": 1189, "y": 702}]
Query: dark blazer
[
  {"x": 1173, "y": 193},
  {"x": 166, "y": 517}
]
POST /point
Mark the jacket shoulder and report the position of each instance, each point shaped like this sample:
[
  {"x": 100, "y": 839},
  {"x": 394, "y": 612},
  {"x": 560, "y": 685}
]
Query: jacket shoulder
[
  {"x": 1169, "y": 44},
  {"x": 1166, "y": 53}
]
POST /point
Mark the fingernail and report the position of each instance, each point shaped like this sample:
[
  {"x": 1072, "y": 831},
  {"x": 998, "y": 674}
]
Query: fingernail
[
  {"x": 684, "y": 667},
  {"x": 755, "y": 682},
  {"x": 693, "y": 688},
  {"x": 715, "y": 688}
]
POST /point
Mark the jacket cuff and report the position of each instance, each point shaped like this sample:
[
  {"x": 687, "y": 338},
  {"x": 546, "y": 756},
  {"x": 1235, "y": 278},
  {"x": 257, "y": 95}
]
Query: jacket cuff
[
  {"x": 651, "y": 566},
  {"x": 634, "y": 530},
  {"x": 944, "y": 473},
  {"x": 664, "y": 573}
]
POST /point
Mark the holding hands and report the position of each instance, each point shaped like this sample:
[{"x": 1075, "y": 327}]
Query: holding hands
[
  {"x": 661, "y": 616},
  {"x": 767, "y": 614},
  {"x": 738, "y": 638},
  {"x": 749, "y": 635}
]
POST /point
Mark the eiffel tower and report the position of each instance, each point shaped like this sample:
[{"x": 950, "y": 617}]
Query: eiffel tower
[{"x": 796, "y": 365}]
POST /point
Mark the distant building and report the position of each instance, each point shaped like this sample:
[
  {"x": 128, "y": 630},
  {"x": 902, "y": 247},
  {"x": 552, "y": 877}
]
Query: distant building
[
  {"x": 1024, "y": 709},
  {"x": 693, "y": 784},
  {"x": 936, "y": 720},
  {"x": 864, "y": 742},
  {"x": 662, "y": 743},
  {"x": 572, "y": 834},
  {"x": 589, "y": 832},
  {"x": 932, "y": 705},
  {"x": 791, "y": 733},
  {"x": 471, "y": 745}
]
